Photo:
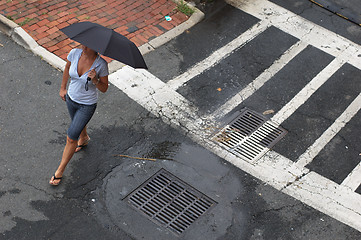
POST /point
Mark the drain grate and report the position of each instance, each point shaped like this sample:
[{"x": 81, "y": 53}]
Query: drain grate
[
  {"x": 170, "y": 202},
  {"x": 250, "y": 135}
]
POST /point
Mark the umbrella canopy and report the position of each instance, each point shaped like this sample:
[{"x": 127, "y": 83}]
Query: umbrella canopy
[{"x": 106, "y": 42}]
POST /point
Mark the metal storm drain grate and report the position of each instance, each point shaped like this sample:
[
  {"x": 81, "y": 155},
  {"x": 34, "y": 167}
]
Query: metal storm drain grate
[
  {"x": 170, "y": 202},
  {"x": 250, "y": 135}
]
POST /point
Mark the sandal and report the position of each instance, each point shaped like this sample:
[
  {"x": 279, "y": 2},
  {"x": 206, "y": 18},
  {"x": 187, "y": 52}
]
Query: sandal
[
  {"x": 82, "y": 145},
  {"x": 55, "y": 178}
]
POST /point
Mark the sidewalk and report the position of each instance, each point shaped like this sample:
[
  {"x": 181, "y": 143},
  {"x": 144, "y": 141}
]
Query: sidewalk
[{"x": 138, "y": 20}]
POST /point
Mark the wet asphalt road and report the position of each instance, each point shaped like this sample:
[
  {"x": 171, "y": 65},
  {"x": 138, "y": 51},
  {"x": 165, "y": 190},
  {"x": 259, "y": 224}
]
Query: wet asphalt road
[{"x": 89, "y": 202}]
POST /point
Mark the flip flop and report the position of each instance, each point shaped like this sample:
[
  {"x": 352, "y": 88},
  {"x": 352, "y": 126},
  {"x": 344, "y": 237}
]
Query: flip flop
[
  {"x": 82, "y": 145},
  {"x": 55, "y": 178}
]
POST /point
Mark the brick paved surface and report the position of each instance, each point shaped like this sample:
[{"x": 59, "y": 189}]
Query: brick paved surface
[{"x": 139, "y": 20}]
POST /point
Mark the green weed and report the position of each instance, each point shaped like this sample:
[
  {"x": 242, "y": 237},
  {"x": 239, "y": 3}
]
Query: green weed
[
  {"x": 25, "y": 21},
  {"x": 184, "y": 8}
]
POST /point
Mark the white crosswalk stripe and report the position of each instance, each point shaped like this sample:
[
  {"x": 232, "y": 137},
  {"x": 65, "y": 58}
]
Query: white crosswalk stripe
[
  {"x": 326, "y": 137},
  {"x": 302, "y": 29},
  {"x": 161, "y": 99},
  {"x": 353, "y": 180},
  {"x": 307, "y": 91},
  {"x": 218, "y": 55},
  {"x": 260, "y": 80}
]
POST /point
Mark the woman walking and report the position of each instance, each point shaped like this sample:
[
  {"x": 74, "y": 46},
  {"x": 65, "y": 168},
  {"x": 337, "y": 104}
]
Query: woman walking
[{"x": 88, "y": 73}]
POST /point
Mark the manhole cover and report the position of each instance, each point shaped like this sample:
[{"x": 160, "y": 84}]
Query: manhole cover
[
  {"x": 250, "y": 135},
  {"x": 169, "y": 201}
]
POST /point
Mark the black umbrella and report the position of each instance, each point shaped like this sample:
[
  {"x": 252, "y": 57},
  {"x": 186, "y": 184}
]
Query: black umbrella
[{"x": 106, "y": 42}]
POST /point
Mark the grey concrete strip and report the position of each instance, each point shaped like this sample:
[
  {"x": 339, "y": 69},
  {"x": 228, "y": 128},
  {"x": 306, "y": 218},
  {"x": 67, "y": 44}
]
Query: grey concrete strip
[
  {"x": 22, "y": 38},
  {"x": 7, "y": 26}
]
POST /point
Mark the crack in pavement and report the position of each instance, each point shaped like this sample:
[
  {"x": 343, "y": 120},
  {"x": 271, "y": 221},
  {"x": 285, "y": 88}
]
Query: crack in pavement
[{"x": 299, "y": 184}]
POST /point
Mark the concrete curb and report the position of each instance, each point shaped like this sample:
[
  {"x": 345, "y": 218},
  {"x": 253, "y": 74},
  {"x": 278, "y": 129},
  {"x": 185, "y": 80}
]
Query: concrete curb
[{"x": 22, "y": 38}]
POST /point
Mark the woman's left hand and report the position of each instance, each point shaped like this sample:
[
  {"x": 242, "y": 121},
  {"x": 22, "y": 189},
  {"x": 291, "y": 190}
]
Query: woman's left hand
[{"x": 92, "y": 74}]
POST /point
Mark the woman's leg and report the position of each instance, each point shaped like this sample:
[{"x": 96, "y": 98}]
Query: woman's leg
[
  {"x": 83, "y": 139},
  {"x": 80, "y": 115},
  {"x": 67, "y": 155},
  {"x": 83, "y": 136}
]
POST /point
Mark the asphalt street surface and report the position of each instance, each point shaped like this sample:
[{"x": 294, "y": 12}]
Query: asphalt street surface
[{"x": 91, "y": 200}]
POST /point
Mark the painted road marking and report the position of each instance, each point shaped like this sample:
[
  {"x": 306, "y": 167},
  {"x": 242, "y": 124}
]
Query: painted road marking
[
  {"x": 218, "y": 55},
  {"x": 274, "y": 169},
  {"x": 326, "y": 137},
  {"x": 307, "y": 91},
  {"x": 353, "y": 180},
  {"x": 302, "y": 29},
  {"x": 260, "y": 80},
  {"x": 337, "y": 200}
]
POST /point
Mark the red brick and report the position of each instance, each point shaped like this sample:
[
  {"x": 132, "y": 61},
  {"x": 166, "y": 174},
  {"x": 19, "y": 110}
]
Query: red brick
[
  {"x": 151, "y": 21},
  {"x": 92, "y": 19},
  {"x": 41, "y": 35},
  {"x": 120, "y": 29},
  {"x": 67, "y": 48},
  {"x": 43, "y": 40},
  {"x": 102, "y": 20},
  {"x": 166, "y": 25},
  {"x": 43, "y": 22},
  {"x": 62, "y": 14},
  {"x": 52, "y": 24},
  {"x": 86, "y": 5},
  {"x": 12, "y": 8},
  {"x": 33, "y": 27},
  {"x": 74, "y": 44},
  {"x": 114, "y": 4},
  {"x": 32, "y": 15},
  {"x": 52, "y": 30},
  {"x": 64, "y": 19},
  {"x": 73, "y": 6},
  {"x": 142, "y": 25},
  {"x": 60, "y": 52},
  {"x": 156, "y": 5},
  {"x": 176, "y": 19},
  {"x": 43, "y": 11},
  {"x": 132, "y": 18},
  {"x": 81, "y": 12},
  {"x": 155, "y": 32},
  {"x": 62, "y": 25},
  {"x": 55, "y": 35},
  {"x": 19, "y": 20},
  {"x": 31, "y": 11},
  {"x": 62, "y": 37},
  {"x": 130, "y": 35},
  {"x": 61, "y": 4},
  {"x": 137, "y": 41},
  {"x": 42, "y": 29},
  {"x": 73, "y": 20},
  {"x": 63, "y": 43},
  {"x": 83, "y": 17},
  {"x": 139, "y": 3},
  {"x": 50, "y": 43},
  {"x": 142, "y": 37},
  {"x": 110, "y": 22},
  {"x": 42, "y": 17}
]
